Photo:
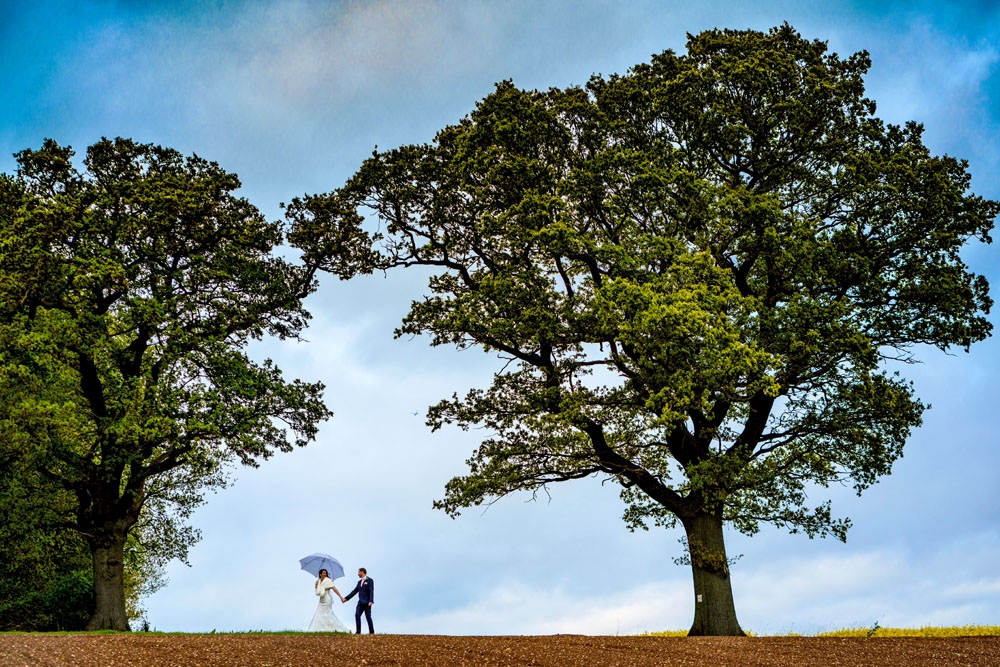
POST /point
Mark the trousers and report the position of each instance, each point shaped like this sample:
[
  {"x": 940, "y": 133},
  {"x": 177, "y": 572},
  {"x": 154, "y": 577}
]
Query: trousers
[{"x": 365, "y": 609}]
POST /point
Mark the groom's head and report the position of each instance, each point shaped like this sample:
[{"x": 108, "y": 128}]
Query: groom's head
[{"x": 362, "y": 572}]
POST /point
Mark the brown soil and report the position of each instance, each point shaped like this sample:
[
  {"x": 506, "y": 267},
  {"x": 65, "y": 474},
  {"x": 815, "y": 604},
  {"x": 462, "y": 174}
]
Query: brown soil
[{"x": 240, "y": 650}]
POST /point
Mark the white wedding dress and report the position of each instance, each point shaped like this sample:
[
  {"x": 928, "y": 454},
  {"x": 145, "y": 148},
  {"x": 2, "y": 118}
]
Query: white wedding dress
[{"x": 324, "y": 620}]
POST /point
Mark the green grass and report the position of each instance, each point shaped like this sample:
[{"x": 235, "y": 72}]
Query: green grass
[
  {"x": 875, "y": 631},
  {"x": 927, "y": 631}
]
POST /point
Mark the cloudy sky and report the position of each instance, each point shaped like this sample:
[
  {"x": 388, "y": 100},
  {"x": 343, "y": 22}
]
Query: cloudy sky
[{"x": 292, "y": 96}]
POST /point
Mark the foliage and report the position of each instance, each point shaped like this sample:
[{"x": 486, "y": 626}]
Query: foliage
[
  {"x": 45, "y": 578},
  {"x": 697, "y": 274},
  {"x": 129, "y": 293},
  {"x": 38, "y": 548},
  {"x": 37, "y": 555},
  {"x": 925, "y": 631},
  {"x": 664, "y": 633},
  {"x": 63, "y": 601}
]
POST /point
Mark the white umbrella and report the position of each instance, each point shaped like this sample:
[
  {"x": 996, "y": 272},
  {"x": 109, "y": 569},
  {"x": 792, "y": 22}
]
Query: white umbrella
[{"x": 313, "y": 563}]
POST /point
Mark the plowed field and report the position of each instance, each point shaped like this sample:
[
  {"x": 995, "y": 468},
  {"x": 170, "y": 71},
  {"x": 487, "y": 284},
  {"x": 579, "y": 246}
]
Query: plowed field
[{"x": 265, "y": 650}]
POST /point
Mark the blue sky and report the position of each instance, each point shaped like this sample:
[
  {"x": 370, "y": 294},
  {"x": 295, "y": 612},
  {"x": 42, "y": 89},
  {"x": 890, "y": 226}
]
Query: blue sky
[{"x": 292, "y": 96}]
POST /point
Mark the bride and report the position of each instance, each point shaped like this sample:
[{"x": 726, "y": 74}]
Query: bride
[{"x": 324, "y": 620}]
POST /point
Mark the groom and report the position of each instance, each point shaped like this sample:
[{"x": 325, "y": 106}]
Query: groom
[{"x": 365, "y": 590}]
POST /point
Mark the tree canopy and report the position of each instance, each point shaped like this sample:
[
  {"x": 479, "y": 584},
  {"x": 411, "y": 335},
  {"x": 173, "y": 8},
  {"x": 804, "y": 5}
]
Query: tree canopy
[
  {"x": 130, "y": 291},
  {"x": 700, "y": 275}
]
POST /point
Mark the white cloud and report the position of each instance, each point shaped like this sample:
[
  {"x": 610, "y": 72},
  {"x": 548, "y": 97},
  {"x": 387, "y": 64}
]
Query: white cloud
[
  {"x": 975, "y": 588},
  {"x": 924, "y": 72},
  {"x": 540, "y": 609},
  {"x": 858, "y": 586}
]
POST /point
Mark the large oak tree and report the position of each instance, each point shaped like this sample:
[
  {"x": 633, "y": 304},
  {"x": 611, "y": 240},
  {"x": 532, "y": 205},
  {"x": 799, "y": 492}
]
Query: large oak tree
[
  {"x": 130, "y": 291},
  {"x": 701, "y": 275}
]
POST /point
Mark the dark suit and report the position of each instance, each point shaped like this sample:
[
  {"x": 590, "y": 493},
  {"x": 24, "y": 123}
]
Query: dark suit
[{"x": 365, "y": 590}]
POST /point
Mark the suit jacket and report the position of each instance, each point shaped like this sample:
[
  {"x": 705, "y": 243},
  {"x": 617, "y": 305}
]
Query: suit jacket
[{"x": 365, "y": 590}]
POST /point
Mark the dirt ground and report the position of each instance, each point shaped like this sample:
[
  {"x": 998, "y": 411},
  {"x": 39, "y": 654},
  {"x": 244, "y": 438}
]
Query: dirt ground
[{"x": 265, "y": 650}]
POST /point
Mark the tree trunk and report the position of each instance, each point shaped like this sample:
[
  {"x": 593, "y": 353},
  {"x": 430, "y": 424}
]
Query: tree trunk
[
  {"x": 714, "y": 609},
  {"x": 109, "y": 584}
]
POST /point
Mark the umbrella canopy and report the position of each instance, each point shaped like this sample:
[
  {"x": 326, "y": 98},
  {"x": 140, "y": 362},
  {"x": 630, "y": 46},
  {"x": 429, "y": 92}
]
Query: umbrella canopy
[{"x": 313, "y": 563}]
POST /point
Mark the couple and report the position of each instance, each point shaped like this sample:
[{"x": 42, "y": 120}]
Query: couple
[{"x": 324, "y": 620}]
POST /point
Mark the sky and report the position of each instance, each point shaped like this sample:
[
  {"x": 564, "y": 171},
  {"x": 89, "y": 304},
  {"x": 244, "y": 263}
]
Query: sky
[{"x": 292, "y": 96}]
